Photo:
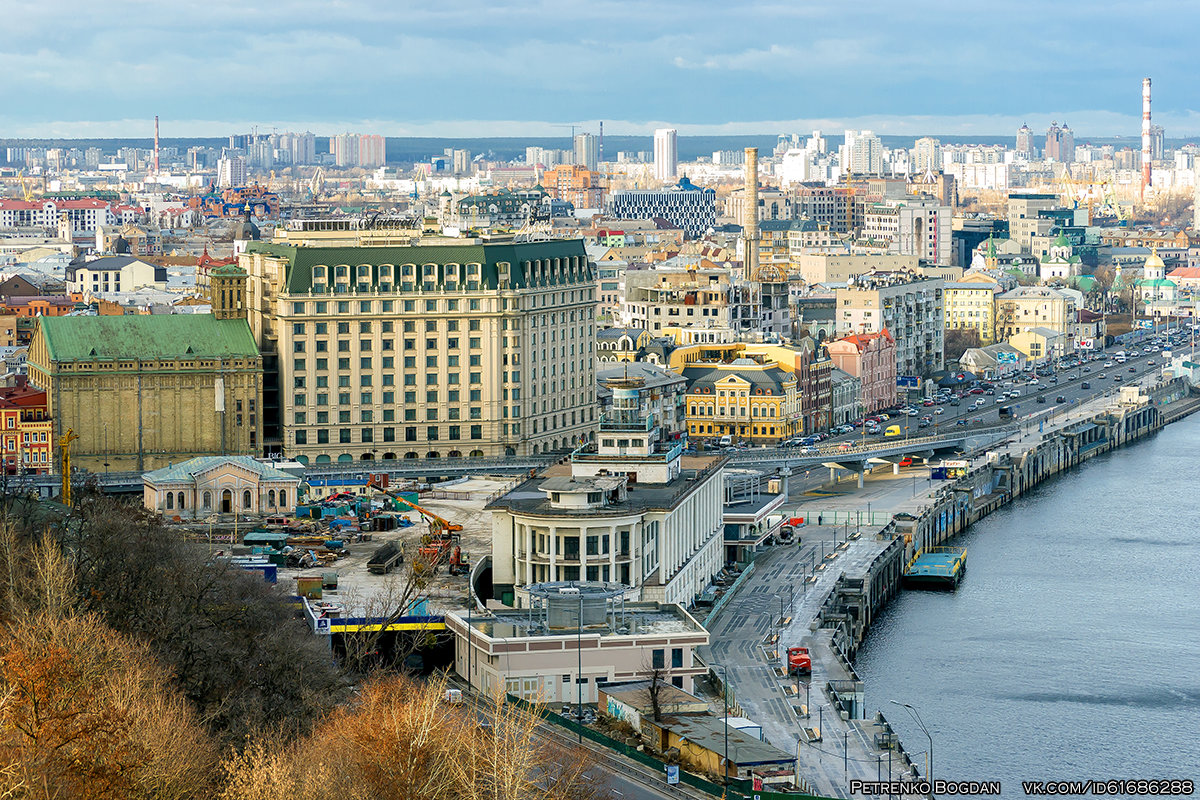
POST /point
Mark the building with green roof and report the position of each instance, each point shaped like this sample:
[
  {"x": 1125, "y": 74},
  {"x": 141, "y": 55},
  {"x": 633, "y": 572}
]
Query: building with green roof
[
  {"x": 142, "y": 391},
  {"x": 444, "y": 348}
]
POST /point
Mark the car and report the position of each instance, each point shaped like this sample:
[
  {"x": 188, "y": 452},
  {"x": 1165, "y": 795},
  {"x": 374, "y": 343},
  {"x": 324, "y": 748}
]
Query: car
[
  {"x": 978, "y": 402},
  {"x": 955, "y": 402},
  {"x": 1133, "y": 369},
  {"x": 1109, "y": 364},
  {"x": 976, "y": 390},
  {"x": 939, "y": 411},
  {"x": 810, "y": 451},
  {"x": 1103, "y": 376},
  {"x": 962, "y": 422},
  {"x": 924, "y": 423},
  {"x": 1087, "y": 369},
  {"x": 1054, "y": 379},
  {"x": 1041, "y": 398},
  {"x": 844, "y": 446},
  {"x": 928, "y": 403},
  {"x": 1086, "y": 385},
  {"x": 927, "y": 418},
  {"x": 1060, "y": 399},
  {"x": 990, "y": 392},
  {"x": 884, "y": 417},
  {"x": 1150, "y": 362},
  {"x": 1033, "y": 381}
]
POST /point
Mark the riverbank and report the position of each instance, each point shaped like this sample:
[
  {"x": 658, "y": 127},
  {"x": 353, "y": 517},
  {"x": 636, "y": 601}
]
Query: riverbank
[{"x": 840, "y": 597}]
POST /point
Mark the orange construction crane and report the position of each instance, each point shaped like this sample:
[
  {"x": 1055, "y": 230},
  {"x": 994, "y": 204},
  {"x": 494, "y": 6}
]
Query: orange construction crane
[{"x": 436, "y": 523}]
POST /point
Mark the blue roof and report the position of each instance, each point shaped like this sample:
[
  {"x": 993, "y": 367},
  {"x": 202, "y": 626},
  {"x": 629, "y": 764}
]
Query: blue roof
[{"x": 188, "y": 470}]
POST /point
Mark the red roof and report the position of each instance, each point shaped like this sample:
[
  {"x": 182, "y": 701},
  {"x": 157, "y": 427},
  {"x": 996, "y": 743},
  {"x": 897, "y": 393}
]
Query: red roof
[
  {"x": 862, "y": 340},
  {"x": 1185, "y": 272}
]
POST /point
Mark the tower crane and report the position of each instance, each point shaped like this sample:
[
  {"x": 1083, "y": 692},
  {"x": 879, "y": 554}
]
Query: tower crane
[
  {"x": 26, "y": 192},
  {"x": 64, "y": 445}
]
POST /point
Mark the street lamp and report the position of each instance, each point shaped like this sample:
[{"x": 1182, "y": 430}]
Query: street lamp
[
  {"x": 725, "y": 697},
  {"x": 917, "y": 718}
]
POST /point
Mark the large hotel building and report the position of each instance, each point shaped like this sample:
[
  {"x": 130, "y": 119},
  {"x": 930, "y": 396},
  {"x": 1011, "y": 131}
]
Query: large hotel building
[{"x": 443, "y": 348}]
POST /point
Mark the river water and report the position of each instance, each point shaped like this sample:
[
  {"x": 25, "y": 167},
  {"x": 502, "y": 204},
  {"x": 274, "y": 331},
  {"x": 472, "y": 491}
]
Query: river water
[{"x": 1072, "y": 648}]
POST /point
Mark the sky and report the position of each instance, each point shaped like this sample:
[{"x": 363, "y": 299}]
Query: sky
[{"x": 96, "y": 68}]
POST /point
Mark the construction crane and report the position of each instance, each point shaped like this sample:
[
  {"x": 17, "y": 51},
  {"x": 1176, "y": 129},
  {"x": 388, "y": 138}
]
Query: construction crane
[
  {"x": 438, "y": 526},
  {"x": 64, "y": 445},
  {"x": 26, "y": 192}
]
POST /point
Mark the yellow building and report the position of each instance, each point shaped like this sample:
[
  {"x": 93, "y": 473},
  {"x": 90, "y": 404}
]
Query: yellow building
[
  {"x": 143, "y": 391},
  {"x": 1028, "y": 307},
  {"x": 744, "y": 399},
  {"x": 1040, "y": 343},
  {"x": 442, "y": 349},
  {"x": 972, "y": 305}
]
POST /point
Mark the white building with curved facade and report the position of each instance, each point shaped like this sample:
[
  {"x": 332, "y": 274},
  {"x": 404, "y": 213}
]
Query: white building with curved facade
[{"x": 630, "y": 509}]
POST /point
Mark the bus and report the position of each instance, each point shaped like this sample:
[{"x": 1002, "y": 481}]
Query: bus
[{"x": 1006, "y": 411}]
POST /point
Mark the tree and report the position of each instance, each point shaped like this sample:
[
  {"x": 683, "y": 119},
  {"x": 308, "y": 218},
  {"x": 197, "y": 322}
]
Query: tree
[{"x": 958, "y": 341}]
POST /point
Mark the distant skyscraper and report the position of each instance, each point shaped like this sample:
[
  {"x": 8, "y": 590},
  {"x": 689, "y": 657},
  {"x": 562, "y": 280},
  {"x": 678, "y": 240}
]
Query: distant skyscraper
[
  {"x": 1156, "y": 142},
  {"x": 231, "y": 171},
  {"x": 1025, "y": 147},
  {"x": 864, "y": 153},
  {"x": 927, "y": 155},
  {"x": 1060, "y": 143},
  {"x": 666, "y": 154},
  {"x": 587, "y": 151}
]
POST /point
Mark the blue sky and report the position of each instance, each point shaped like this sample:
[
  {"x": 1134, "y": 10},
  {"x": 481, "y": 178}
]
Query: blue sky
[{"x": 467, "y": 67}]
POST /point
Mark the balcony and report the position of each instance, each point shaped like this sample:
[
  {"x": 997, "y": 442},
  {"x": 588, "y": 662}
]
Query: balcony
[{"x": 616, "y": 421}]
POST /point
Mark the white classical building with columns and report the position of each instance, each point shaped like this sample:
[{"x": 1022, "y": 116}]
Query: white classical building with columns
[{"x": 631, "y": 509}]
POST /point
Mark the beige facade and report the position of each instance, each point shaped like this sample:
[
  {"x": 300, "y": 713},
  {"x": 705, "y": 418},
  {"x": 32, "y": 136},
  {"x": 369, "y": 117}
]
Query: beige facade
[
  {"x": 448, "y": 348},
  {"x": 504, "y": 655},
  {"x": 208, "y": 485},
  {"x": 143, "y": 391},
  {"x": 972, "y": 305},
  {"x": 828, "y": 268},
  {"x": 1028, "y": 307}
]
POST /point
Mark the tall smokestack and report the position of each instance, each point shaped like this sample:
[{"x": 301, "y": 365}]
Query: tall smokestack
[
  {"x": 1145, "y": 135},
  {"x": 156, "y": 144},
  {"x": 750, "y": 217}
]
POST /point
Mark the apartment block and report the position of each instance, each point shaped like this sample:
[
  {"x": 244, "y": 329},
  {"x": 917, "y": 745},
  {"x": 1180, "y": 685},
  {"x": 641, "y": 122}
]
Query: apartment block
[
  {"x": 442, "y": 348},
  {"x": 908, "y": 305}
]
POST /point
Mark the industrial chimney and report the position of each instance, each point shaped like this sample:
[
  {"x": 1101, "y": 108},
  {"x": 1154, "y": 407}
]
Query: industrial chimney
[
  {"x": 1146, "y": 159},
  {"x": 750, "y": 217}
]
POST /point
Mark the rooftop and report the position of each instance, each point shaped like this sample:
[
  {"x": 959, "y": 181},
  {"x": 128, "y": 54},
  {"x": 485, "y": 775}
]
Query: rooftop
[
  {"x": 632, "y": 619},
  {"x": 187, "y": 470},
  {"x": 136, "y": 336},
  {"x": 710, "y": 733},
  {"x": 528, "y": 498}
]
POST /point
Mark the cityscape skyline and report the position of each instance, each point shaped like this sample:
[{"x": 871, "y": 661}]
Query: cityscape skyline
[{"x": 933, "y": 71}]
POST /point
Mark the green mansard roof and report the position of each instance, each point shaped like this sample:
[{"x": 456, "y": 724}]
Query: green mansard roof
[
  {"x": 146, "y": 337},
  {"x": 489, "y": 256}
]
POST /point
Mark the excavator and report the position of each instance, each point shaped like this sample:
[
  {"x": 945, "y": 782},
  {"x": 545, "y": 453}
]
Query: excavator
[{"x": 442, "y": 544}]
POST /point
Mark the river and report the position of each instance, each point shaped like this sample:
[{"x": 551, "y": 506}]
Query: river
[{"x": 1072, "y": 648}]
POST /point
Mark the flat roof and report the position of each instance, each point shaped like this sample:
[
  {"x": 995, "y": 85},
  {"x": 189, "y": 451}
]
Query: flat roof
[
  {"x": 528, "y": 498},
  {"x": 710, "y": 733},
  {"x": 650, "y": 619}
]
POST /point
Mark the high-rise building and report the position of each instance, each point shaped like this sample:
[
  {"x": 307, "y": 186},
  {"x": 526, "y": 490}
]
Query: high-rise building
[
  {"x": 690, "y": 207},
  {"x": 666, "y": 154},
  {"x": 927, "y": 155},
  {"x": 587, "y": 151},
  {"x": 231, "y": 171},
  {"x": 443, "y": 348},
  {"x": 372, "y": 151},
  {"x": 1157, "y": 142},
  {"x": 1060, "y": 143},
  {"x": 863, "y": 153},
  {"x": 1025, "y": 148},
  {"x": 908, "y": 305}
]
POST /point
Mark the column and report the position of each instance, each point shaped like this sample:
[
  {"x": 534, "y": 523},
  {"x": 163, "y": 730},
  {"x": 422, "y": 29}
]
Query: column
[{"x": 553, "y": 553}]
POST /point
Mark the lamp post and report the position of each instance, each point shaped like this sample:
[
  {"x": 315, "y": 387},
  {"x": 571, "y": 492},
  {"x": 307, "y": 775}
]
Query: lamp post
[
  {"x": 579, "y": 674},
  {"x": 725, "y": 698},
  {"x": 917, "y": 718}
]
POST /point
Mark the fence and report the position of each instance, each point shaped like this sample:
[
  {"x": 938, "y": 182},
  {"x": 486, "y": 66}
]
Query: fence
[
  {"x": 742, "y": 786},
  {"x": 729, "y": 593}
]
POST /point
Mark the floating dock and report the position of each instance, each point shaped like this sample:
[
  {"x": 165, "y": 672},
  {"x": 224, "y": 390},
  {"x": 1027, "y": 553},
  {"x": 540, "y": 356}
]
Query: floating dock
[{"x": 936, "y": 568}]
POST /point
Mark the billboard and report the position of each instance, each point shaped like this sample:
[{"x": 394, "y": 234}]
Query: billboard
[
  {"x": 907, "y": 381},
  {"x": 1006, "y": 358},
  {"x": 1085, "y": 344}
]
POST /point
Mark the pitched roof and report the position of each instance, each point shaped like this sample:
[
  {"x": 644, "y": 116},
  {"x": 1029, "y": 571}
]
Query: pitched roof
[
  {"x": 187, "y": 470},
  {"x": 145, "y": 337}
]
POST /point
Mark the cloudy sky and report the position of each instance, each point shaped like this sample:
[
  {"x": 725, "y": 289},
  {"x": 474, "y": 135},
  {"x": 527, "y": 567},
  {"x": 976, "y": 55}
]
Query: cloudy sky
[{"x": 475, "y": 68}]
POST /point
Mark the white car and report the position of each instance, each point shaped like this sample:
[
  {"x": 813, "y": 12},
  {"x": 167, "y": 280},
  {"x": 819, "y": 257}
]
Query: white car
[
  {"x": 939, "y": 410},
  {"x": 979, "y": 403}
]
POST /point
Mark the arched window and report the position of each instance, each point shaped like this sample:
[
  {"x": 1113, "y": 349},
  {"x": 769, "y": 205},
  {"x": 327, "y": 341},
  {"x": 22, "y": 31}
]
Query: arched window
[
  {"x": 246, "y": 499},
  {"x": 282, "y": 498},
  {"x": 271, "y": 498},
  {"x": 206, "y": 499},
  {"x": 170, "y": 500},
  {"x": 181, "y": 504}
]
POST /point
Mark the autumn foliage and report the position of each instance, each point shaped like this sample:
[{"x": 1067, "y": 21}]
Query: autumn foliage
[{"x": 133, "y": 668}]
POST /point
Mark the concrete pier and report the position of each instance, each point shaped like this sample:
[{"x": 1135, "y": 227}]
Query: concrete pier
[{"x": 842, "y": 574}]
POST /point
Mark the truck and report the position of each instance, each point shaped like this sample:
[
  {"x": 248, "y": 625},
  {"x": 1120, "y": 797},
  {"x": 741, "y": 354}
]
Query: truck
[
  {"x": 386, "y": 558},
  {"x": 799, "y": 662}
]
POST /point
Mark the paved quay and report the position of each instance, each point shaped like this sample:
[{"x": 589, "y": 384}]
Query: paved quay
[{"x": 748, "y": 640}]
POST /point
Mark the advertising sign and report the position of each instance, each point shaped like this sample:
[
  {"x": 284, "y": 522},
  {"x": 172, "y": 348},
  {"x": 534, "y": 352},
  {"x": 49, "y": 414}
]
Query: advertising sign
[
  {"x": 672, "y": 774},
  {"x": 1086, "y": 344},
  {"x": 907, "y": 381},
  {"x": 1006, "y": 358}
]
